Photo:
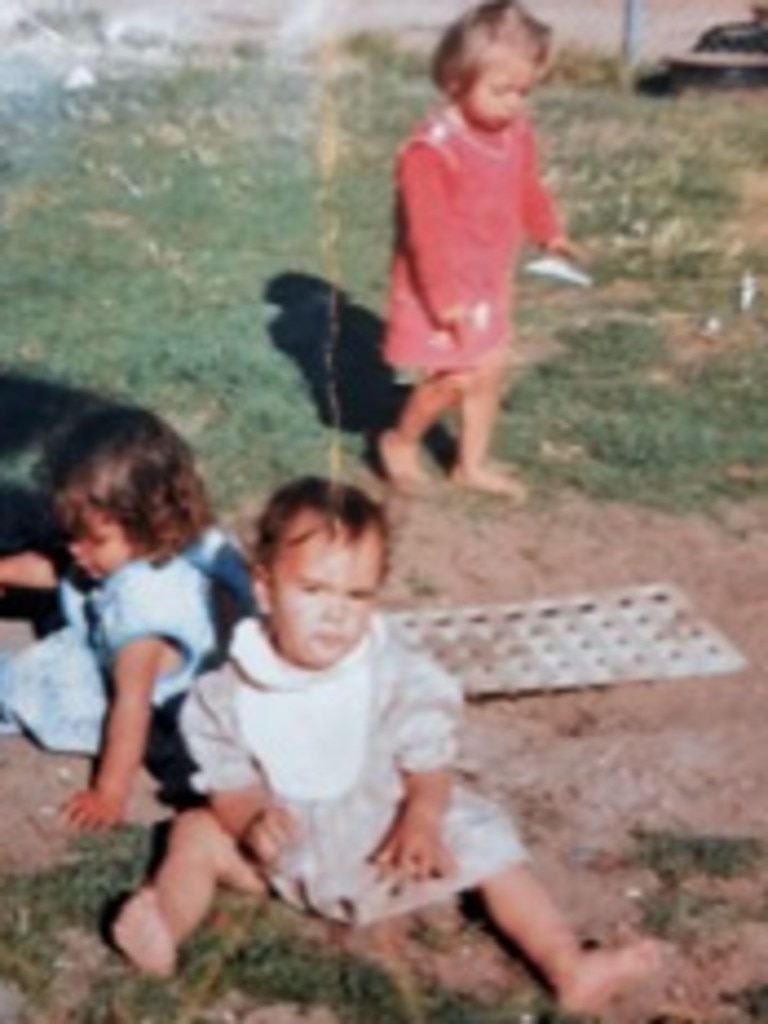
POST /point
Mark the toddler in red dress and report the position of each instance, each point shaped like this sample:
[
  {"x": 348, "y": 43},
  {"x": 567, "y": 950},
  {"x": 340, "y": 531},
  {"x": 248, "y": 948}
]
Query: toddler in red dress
[{"x": 469, "y": 197}]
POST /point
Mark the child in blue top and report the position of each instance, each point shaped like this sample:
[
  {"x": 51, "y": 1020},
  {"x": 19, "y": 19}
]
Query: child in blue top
[{"x": 136, "y": 586}]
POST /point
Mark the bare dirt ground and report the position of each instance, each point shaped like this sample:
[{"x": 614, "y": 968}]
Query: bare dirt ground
[{"x": 580, "y": 770}]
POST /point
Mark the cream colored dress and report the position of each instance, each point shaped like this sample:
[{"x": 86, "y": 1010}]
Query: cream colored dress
[{"x": 332, "y": 747}]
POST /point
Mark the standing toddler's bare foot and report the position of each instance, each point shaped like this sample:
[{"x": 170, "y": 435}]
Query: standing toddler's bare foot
[
  {"x": 141, "y": 934},
  {"x": 601, "y": 975},
  {"x": 400, "y": 462},
  {"x": 492, "y": 480}
]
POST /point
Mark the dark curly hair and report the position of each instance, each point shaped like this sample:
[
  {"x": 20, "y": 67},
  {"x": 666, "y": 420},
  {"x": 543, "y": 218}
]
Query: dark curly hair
[
  {"x": 339, "y": 509},
  {"x": 462, "y": 50},
  {"x": 126, "y": 463}
]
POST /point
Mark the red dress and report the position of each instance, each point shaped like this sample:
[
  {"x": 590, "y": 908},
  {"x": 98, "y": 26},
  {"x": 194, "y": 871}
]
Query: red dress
[{"x": 467, "y": 201}]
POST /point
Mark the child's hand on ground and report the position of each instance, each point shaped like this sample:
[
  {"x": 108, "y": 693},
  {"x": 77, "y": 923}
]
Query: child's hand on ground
[
  {"x": 270, "y": 833},
  {"x": 414, "y": 848},
  {"x": 92, "y": 810}
]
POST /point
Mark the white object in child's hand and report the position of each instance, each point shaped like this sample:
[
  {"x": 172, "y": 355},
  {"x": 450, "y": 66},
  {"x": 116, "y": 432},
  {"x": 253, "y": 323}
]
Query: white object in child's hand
[
  {"x": 560, "y": 270},
  {"x": 747, "y": 292}
]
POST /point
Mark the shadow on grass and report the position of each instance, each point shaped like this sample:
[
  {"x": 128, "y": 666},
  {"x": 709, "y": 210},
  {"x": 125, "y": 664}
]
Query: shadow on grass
[
  {"x": 336, "y": 344},
  {"x": 26, "y": 522},
  {"x": 31, "y": 410}
]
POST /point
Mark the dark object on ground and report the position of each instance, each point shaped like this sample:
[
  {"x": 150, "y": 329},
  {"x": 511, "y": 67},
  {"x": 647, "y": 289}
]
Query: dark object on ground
[
  {"x": 718, "y": 71},
  {"x": 737, "y": 38},
  {"x": 336, "y": 344},
  {"x": 730, "y": 56}
]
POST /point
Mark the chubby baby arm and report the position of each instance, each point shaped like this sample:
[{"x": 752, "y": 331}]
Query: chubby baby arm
[
  {"x": 425, "y": 714},
  {"x": 415, "y": 847},
  {"x": 261, "y": 827}
]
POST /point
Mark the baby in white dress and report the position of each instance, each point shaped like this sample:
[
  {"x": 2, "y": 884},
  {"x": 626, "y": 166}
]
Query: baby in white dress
[{"x": 325, "y": 747}]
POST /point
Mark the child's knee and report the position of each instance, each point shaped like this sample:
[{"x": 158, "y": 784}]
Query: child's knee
[
  {"x": 197, "y": 835},
  {"x": 493, "y": 374},
  {"x": 448, "y": 386}
]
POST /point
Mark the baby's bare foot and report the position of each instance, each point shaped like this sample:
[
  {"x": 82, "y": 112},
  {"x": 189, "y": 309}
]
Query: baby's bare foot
[
  {"x": 400, "y": 462},
  {"x": 492, "y": 480},
  {"x": 601, "y": 975},
  {"x": 140, "y": 932}
]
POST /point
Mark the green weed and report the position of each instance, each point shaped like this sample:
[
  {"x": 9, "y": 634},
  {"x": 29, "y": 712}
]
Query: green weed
[
  {"x": 583, "y": 68},
  {"x": 682, "y": 917},
  {"x": 420, "y": 584},
  {"x": 676, "y": 858},
  {"x": 687, "y": 905},
  {"x": 635, "y": 424},
  {"x": 754, "y": 1002},
  {"x": 36, "y": 908}
]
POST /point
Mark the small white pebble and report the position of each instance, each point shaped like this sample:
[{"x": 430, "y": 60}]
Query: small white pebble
[{"x": 79, "y": 79}]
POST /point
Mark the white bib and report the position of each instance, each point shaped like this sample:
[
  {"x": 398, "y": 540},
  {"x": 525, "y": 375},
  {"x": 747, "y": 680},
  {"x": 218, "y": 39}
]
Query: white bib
[{"x": 307, "y": 729}]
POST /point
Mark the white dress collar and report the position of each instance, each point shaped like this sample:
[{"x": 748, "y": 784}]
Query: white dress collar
[{"x": 307, "y": 730}]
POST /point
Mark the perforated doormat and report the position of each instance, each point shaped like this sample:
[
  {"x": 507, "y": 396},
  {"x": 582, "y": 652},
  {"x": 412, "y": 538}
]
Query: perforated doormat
[{"x": 635, "y": 633}]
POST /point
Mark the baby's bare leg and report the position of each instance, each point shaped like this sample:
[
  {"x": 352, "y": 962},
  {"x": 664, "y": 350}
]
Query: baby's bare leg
[
  {"x": 141, "y": 933},
  {"x": 585, "y": 981},
  {"x": 156, "y": 920}
]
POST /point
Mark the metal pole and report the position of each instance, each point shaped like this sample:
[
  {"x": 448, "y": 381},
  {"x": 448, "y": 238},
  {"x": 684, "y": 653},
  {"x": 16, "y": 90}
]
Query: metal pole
[{"x": 633, "y": 31}]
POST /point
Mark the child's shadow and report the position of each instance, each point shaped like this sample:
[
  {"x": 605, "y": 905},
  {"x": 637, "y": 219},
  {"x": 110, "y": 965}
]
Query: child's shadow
[
  {"x": 337, "y": 346},
  {"x": 26, "y": 522},
  {"x": 31, "y": 410}
]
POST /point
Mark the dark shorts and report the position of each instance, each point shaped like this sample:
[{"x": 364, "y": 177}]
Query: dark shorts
[{"x": 167, "y": 757}]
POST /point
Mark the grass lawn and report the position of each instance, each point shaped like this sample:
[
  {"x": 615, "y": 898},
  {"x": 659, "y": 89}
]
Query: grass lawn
[{"x": 171, "y": 241}]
